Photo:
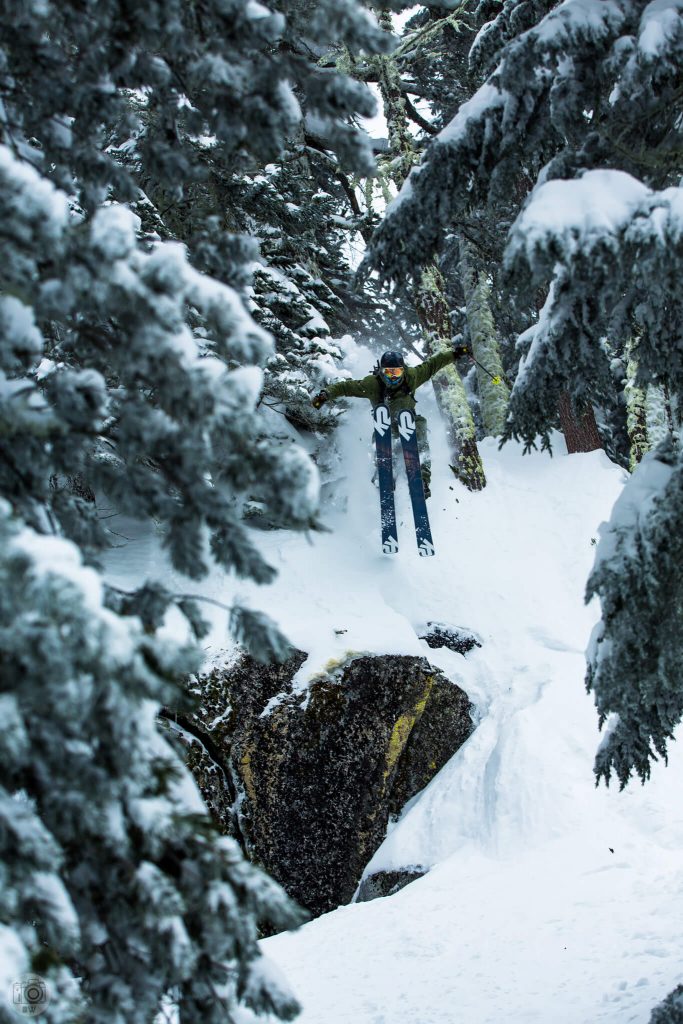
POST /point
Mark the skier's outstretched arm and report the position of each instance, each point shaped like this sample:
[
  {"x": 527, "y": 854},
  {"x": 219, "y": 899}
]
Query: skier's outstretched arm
[
  {"x": 426, "y": 370},
  {"x": 365, "y": 388}
]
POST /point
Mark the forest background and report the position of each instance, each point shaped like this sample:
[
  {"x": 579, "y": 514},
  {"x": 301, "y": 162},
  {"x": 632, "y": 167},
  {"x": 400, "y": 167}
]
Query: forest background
[{"x": 186, "y": 188}]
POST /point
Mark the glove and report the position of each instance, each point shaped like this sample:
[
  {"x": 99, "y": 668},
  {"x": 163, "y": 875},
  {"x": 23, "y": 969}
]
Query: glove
[
  {"x": 461, "y": 350},
  {"x": 319, "y": 399}
]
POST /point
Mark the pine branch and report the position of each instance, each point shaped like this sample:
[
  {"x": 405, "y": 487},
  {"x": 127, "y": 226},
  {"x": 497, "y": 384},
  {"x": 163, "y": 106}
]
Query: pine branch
[
  {"x": 350, "y": 194},
  {"x": 422, "y": 35},
  {"x": 417, "y": 117}
]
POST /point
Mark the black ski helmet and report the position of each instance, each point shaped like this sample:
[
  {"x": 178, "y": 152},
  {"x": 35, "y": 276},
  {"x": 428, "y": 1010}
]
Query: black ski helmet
[
  {"x": 391, "y": 359},
  {"x": 392, "y": 370}
]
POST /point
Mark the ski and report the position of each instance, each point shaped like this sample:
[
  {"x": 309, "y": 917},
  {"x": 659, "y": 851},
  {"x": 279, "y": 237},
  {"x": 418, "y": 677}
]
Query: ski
[
  {"x": 408, "y": 434},
  {"x": 385, "y": 477}
]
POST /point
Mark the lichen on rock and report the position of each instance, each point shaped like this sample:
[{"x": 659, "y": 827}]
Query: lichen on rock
[{"x": 312, "y": 783}]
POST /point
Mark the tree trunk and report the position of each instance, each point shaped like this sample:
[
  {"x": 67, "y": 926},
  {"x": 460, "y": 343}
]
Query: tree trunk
[
  {"x": 580, "y": 430},
  {"x": 493, "y": 391},
  {"x": 636, "y": 409},
  {"x": 430, "y": 301},
  {"x": 432, "y": 310},
  {"x": 401, "y": 141}
]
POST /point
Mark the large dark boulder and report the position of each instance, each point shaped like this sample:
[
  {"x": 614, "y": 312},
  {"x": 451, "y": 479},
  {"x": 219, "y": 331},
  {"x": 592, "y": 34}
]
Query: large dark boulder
[{"x": 307, "y": 782}]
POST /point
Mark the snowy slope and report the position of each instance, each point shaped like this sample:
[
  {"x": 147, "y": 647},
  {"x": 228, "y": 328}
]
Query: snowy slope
[{"x": 526, "y": 914}]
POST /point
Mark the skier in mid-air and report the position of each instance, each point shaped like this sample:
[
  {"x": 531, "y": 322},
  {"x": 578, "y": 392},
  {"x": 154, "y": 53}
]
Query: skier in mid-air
[{"x": 395, "y": 384}]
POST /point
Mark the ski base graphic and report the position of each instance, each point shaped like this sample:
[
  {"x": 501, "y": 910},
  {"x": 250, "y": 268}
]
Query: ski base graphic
[
  {"x": 385, "y": 478},
  {"x": 408, "y": 433},
  {"x": 385, "y": 475}
]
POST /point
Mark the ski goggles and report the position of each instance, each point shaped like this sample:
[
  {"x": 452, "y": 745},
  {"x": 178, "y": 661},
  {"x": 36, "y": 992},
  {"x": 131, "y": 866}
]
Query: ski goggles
[{"x": 393, "y": 372}]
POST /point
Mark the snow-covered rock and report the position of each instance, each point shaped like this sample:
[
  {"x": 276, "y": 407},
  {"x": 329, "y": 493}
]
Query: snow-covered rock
[{"x": 309, "y": 783}]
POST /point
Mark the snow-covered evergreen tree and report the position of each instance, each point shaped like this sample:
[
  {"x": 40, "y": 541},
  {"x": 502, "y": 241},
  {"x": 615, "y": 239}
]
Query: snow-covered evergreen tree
[
  {"x": 604, "y": 244},
  {"x": 303, "y": 288},
  {"x": 428, "y": 295},
  {"x": 556, "y": 118},
  {"x": 130, "y": 367},
  {"x": 115, "y": 888},
  {"x": 130, "y": 402},
  {"x": 637, "y": 650},
  {"x": 286, "y": 213}
]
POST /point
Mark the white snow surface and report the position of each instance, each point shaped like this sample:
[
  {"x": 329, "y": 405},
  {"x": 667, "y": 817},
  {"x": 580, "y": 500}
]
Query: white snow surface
[
  {"x": 544, "y": 899},
  {"x": 547, "y": 900}
]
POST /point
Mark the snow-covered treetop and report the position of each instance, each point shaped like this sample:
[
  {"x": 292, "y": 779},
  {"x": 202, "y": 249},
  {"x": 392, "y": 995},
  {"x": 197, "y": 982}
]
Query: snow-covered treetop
[
  {"x": 570, "y": 87},
  {"x": 234, "y": 72},
  {"x": 612, "y": 251}
]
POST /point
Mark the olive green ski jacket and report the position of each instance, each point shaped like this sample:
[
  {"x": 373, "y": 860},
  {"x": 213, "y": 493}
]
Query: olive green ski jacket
[{"x": 402, "y": 397}]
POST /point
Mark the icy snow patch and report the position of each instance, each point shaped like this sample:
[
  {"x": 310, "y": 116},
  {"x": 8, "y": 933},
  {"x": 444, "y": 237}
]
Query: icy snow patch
[
  {"x": 18, "y": 325},
  {"x": 583, "y": 16},
  {"x": 113, "y": 231},
  {"x": 34, "y": 197}
]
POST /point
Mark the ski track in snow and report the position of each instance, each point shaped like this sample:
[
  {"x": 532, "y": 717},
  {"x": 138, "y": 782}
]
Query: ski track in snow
[{"x": 526, "y": 915}]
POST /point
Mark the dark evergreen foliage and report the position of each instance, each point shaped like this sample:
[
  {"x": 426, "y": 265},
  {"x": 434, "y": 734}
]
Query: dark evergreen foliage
[
  {"x": 131, "y": 372},
  {"x": 573, "y": 90},
  {"x": 112, "y": 872},
  {"x": 671, "y": 1010},
  {"x": 636, "y": 656}
]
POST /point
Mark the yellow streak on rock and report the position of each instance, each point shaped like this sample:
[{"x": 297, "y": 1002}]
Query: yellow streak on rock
[
  {"x": 403, "y": 728},
  {"x": 247, "y": 774}
]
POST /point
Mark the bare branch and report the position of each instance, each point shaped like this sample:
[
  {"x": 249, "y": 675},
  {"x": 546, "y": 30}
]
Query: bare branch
[{"x": 417, "y": 117}]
